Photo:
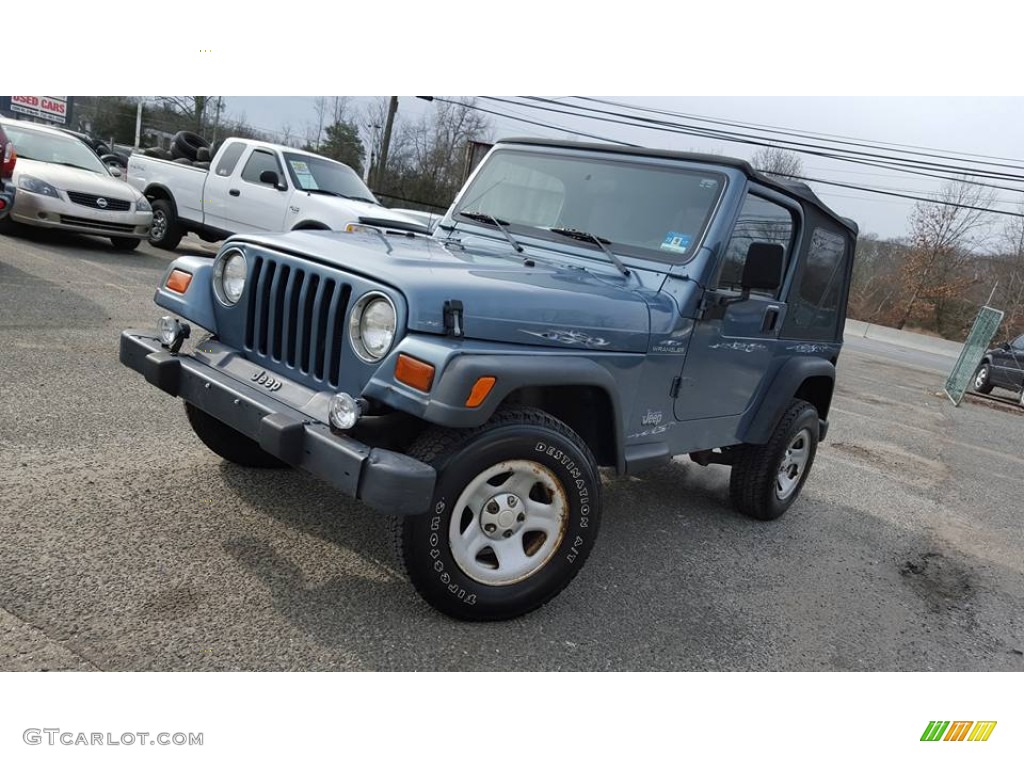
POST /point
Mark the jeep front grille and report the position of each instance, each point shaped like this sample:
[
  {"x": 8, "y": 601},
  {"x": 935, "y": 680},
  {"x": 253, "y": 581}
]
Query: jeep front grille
[{"x": 297, "y": 317}]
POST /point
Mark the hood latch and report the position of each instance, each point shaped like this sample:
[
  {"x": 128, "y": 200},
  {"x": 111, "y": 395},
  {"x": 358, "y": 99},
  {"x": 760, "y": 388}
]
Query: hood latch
[{"x": 453, "y": 325}]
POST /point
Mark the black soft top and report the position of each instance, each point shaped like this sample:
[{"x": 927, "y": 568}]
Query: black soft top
[{"x": 793, "y": 188}]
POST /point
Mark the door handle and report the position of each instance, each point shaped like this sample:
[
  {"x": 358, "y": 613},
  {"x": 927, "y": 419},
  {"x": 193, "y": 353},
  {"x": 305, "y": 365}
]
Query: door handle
[
  {"x": 771, "y": 317},
  {"x": 234, "y": 192}
]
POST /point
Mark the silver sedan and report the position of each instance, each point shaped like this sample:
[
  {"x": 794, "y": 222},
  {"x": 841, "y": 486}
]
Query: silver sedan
[{"x": 62, "y": 184}]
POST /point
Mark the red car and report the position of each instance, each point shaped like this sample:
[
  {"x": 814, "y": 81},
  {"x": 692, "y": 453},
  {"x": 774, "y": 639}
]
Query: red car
[{"x": 7, "y": 160}]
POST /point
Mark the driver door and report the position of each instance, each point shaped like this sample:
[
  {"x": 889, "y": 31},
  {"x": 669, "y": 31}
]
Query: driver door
[
  {"x": 251, "y": 205},
  {"x": 731, "y": 349}
]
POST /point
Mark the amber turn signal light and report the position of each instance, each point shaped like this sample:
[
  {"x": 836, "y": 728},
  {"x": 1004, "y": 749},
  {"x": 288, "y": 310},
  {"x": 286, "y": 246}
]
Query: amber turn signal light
[
  {"x": 480, "y": 391},
  {"x": 178, "y": 281},
  {"x": 415, "y": 373}
]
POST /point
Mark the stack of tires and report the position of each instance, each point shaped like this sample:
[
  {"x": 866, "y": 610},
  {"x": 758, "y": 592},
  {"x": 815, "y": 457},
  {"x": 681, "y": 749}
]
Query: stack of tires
[{"x": 187, "y": 148}]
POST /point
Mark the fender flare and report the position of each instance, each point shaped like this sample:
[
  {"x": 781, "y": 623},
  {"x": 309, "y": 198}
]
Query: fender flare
[{"x": 756, "y": 428}]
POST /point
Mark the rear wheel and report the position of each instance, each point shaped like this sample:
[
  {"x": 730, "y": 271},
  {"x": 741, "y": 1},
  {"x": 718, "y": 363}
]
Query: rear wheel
[
  {"x": 767, "y": 479},
  {"x": 229, "y": 443},
  {"x": 514, "y": 515},
  {"x": 165, "y": 231}
]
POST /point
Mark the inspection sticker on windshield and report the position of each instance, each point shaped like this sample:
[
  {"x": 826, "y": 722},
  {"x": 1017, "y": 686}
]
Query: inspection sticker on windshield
[
  {"x": 676, "y": 242},
  {"x": 305, "y": 178}
]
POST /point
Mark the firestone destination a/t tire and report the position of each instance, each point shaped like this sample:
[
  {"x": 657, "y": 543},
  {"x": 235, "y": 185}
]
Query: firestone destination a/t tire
[
  {"x": 514, "y": 515},
  {"x": 767, "y": 479}
]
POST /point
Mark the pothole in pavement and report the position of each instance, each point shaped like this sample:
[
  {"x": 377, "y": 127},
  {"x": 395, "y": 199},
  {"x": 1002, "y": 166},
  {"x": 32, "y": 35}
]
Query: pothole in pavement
[
  {"x": 944, "y": 583},
  {"x": 894, "y": 460}
]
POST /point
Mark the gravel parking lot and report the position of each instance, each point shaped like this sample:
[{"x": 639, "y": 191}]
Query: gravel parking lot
[{"x": 126, "y": 545}]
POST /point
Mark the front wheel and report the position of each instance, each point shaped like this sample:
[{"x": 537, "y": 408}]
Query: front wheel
[
  {"x": 982, "y": 384},
  {"x": 514, "y": 515},
  {"x": 766, "y": 479}
]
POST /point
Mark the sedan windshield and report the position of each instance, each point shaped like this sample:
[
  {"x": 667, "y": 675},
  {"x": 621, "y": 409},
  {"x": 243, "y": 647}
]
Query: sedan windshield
[
  {"x": 53, "y": 148},
  {"x": 637, "y": 208},
  {"x": 318, "y": 174}
]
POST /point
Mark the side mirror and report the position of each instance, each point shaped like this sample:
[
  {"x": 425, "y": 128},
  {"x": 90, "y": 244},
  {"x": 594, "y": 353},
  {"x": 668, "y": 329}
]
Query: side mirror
[
  {"x": 271, "y": 178},
  {"x": 1005, "y": 346},
  {"x": 115, "y": 171},
  {"x": 763, "y": 268}
]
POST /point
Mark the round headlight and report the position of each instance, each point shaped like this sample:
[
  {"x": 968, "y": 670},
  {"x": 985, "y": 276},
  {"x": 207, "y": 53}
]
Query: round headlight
[
  {"x": 229, "y": 276},
  {"x": 372, "y": 326}
]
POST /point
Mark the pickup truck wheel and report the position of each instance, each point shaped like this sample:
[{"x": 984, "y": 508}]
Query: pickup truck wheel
[
  {"x": 229, "y": 443},
  {"x": 125, "y": 243},
  {"x": 981, "y": 379},
  {"x": 514, "y": 515},
  {"x": 164, "y": 232},
  {"x": 766, "y": 479}
]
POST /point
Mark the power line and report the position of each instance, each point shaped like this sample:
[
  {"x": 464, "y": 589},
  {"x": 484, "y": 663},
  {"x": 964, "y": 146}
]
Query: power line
[
  {"x": 804, "y": 134},
  {"x": 871, "y": 190},
  {"x": 847, "y": 155}
]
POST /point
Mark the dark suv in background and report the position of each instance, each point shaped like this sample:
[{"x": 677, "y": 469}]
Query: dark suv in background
[{"x": 1002, "y": 366}]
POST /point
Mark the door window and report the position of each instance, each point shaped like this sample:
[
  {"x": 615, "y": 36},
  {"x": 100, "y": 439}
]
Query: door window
[
  {"x": 760, "y": 221},
  {"x": 258, "y": 162}
]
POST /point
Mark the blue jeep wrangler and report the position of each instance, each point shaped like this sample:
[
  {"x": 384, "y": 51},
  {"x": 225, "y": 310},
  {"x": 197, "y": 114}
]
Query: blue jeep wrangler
[{"x": 579, "y": 306}]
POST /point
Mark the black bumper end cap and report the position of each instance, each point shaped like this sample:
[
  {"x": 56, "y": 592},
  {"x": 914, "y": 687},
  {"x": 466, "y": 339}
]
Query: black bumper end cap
[
  {"x": 163, "y": 370},
  {"x": 396, "y": 483}
]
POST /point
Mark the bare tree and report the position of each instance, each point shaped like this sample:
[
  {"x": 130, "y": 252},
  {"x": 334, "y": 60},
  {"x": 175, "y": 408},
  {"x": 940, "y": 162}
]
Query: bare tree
[
  {"x": 193, "y": 107},
  {"x": 776, "y": 161},
  {"x": 944, "y": 235}
]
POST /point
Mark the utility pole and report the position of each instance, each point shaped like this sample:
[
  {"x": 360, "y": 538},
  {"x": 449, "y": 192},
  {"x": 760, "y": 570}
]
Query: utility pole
[
  {"x": 385, "y": 143},
  {"x": 216, "y": 118},
  {"x": 138, "y": 124}
]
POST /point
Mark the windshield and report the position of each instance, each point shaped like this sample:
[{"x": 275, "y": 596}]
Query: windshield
[
  {"x": 53, "y": 148},
  {"x": 640, "y": 209},
  {"x": 314, "y": 174}
]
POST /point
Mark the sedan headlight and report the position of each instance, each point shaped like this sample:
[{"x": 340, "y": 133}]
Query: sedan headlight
[
  {"x": 142, "y": 205},
  {"x": 229, "y": 276},
  {"x": 371, "y": 326},
  {"x": 40, "y": 187}
]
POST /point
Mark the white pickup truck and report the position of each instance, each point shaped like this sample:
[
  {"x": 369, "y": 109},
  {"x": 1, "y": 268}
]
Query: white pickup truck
[{"x": 253, "y": 186}]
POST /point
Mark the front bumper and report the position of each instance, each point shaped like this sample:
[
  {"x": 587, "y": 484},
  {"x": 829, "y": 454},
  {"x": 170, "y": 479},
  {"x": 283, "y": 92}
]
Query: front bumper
[
  {"x": 52, "y": 213},
  {"x": 385, "y": 480}
]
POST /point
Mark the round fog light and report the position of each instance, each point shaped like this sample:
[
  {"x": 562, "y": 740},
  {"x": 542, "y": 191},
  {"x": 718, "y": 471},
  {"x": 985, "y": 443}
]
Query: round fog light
[
  {"x": 345, "y": 411},
  {"x": 169, "y": 328}
]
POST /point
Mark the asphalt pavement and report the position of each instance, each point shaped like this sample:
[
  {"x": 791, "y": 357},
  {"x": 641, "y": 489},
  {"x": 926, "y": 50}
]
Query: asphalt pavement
[{"x": 126, "y": 545}]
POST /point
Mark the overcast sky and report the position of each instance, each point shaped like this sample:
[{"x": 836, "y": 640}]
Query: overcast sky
[{"x": 962, "y": 125}]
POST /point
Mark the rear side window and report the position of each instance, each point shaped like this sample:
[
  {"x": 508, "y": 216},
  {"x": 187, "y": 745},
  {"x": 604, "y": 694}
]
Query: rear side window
[
  {"x": 760, "y": 221},
  {"x": 229, "y": 159},
  {"x": 814, "y": 300},
  {"x": 258, "y": 162}
]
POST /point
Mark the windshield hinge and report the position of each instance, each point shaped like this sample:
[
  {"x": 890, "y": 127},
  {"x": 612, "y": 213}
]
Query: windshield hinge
[{"x": 453, "y": 318}]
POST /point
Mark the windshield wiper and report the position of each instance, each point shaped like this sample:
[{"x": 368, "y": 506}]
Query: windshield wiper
[
  {"x": 486, "y": 218},
  {"x": 586, "y": 237},
  {"x": 338, "y": 194}
]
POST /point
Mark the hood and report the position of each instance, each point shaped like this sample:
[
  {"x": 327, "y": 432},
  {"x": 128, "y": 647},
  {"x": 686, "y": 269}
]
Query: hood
[
  {"x": 550, "y": 304},
  {"x": 65, "y": 178}
]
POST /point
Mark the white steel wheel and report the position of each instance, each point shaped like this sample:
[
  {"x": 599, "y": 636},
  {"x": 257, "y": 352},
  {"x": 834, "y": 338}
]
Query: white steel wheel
[
  {"x": 793, "y": 464},
  {"x": 508, "y": 522},
  {"x": 512, "y": 518}
]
